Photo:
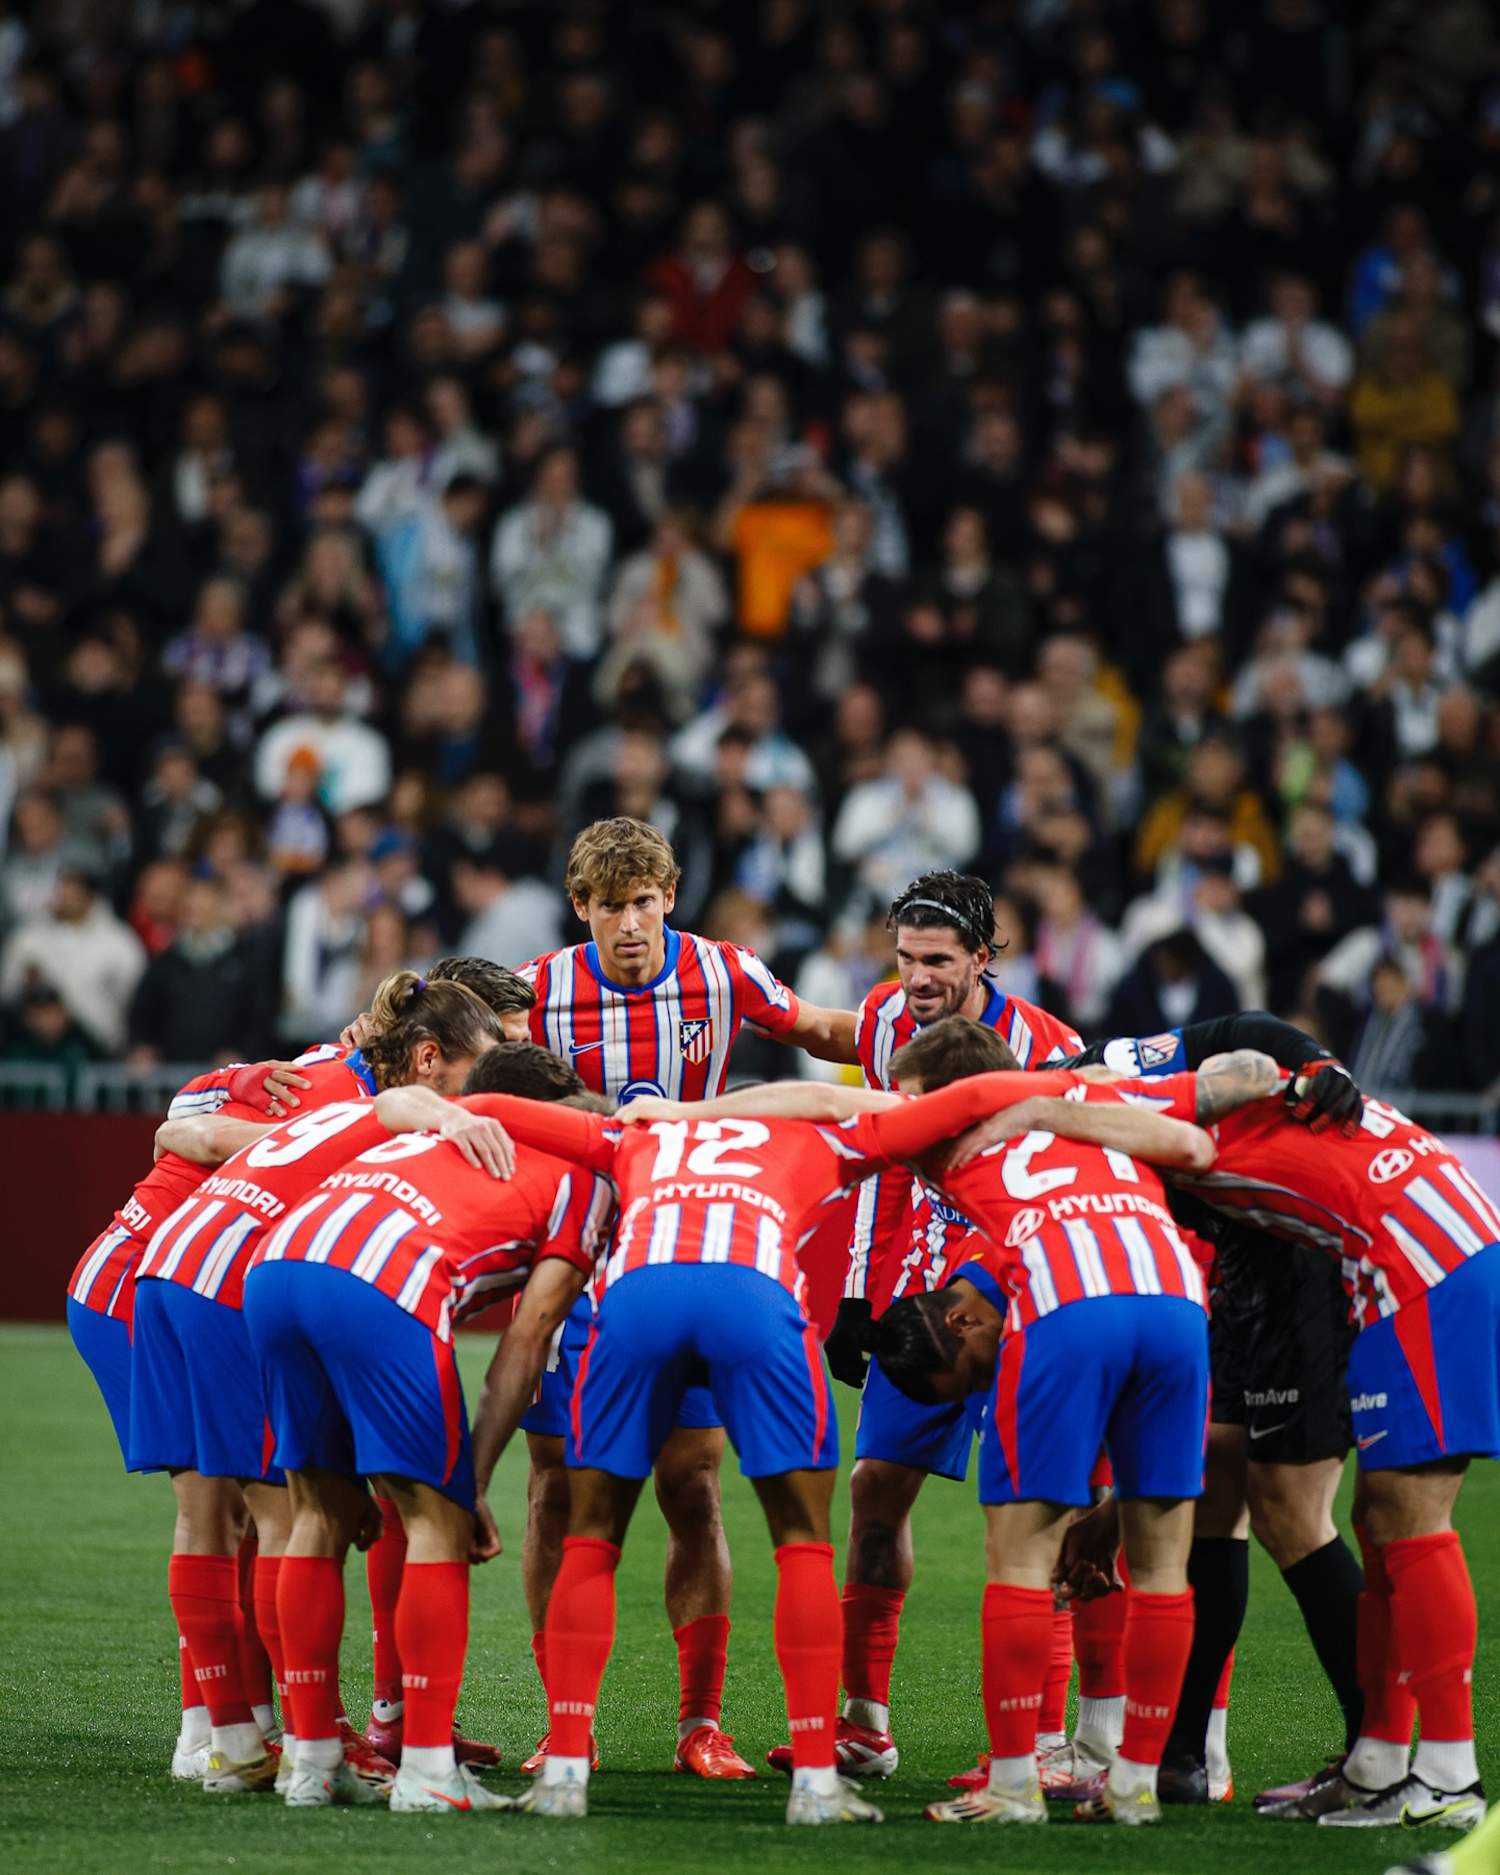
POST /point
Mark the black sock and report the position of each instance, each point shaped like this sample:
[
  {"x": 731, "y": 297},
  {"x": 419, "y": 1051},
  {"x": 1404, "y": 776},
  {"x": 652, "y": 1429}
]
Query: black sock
[
  {"x": 1219, "y": 1576},
  {"x": 1327, "y": 1586}
]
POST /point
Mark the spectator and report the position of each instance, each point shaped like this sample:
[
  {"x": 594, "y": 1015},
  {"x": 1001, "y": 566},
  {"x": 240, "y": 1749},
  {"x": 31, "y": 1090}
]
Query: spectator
[
  {"x": 1172, "y": 983},
  {"x": 912, "y": 820},
  {"x": 1075, "y": 949},
  {"x": 510, "y": 917},
  {"x": 89, "y": 956},
  {"x": 353, "y": 760},
  {"x": 429, "y": 560},
  {"x": 1293, "y": 349},
  {"x": 197, "y": 999},
  {"x": 1392, "y": 1037},
  {"x": 216, "y": 648},
  {"x": 666, "y": 607},
  {"x": 1401, "y": 401},
  {"x": 321, "y": 963},
  {"x": 553, "y": 550},
  {"x": 271, "y": 260},
  {"x": 1315, "y": 900},
  {"x": 42, "y": 1032}
]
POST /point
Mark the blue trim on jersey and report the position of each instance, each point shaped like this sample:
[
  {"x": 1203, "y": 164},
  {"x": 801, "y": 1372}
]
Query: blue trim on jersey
[
  {"x": 984, "y": 1282},
  {"x": 669, "y": 964},
  {"x": 362, "y": 1071},
  {"x": 990, "y": 1016}
]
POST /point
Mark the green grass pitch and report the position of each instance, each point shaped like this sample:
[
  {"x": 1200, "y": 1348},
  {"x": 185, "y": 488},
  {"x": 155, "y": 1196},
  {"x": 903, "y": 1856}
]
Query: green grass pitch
[{"x": 88, "y": 1665}]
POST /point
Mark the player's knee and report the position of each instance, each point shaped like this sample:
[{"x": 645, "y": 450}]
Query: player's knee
[
  {"x": 547, "y": 1493},
  {"x": 877, "y": 1529},
  {"x": 1289, "y": 1515},
  {"x": 689, "y": 1496}
]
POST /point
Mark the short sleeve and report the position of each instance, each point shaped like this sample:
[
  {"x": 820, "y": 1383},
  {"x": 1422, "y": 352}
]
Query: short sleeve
[
  {"x": 580, "y": 1221},
  {"x": 763, "y": 999}
]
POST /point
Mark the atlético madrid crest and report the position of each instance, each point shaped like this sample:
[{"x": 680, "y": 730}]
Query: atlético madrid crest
[{"x": 695, "y": 1039}]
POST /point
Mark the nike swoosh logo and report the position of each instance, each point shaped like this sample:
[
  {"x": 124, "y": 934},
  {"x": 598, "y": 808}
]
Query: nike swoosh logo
[
  {"x": 1264, "y": 1432},
  {"x": 454, "y": 1803},
  {"x": 1371, "y": 1438},
  {"x": 583, "y": 1048},
  {"x": 1415, "y": 1819}
]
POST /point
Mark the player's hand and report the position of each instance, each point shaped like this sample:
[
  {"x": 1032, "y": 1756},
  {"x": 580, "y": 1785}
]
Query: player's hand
[
  {"x": 1324, "y": 1094},
  {"x": 486, "y": 1545},
  {"x": 847, "y": 1346},
  {"x": 268, "y": 1086},
  {"x": 370, "y": 1525},
  {"x": 484, "y": 1143},
  {"x": 1008, "y": 1123},
  {"x": 361, "y": 1030},
  {"x": 1086, "y": 1565},
  {"x": 647, "y": 1107}
]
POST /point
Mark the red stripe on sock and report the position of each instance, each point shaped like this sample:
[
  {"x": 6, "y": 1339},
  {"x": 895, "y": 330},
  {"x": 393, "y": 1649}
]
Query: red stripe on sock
[
  {"x": 1099, "y": 1645},
  {"x": 1390, "y": 1707},
  {"x": 432, "y": 1632},
  {"x": 872, "y": 1627},
  {"x": 1158, "y": 1639},
  {"x": 1052, "y": 1714},
  {"x": 580, "y": 1638},
  {"x": 205, "y": 1592},
  {"x": 384, "y": 1561},
  {"x": 255, "y": 1660},
  {"x": 310, "y": 1606},
  {"x": 267, "y": 1575},
  {"x": 1435, "y": 1624},
  {"x": 1017, "y": 1628},
  {"x": 809, "y": 1630},
  {"x": 702, "y": 1657}
]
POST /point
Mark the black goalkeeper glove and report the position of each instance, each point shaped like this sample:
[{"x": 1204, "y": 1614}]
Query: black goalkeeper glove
[
  {"x": 848, "y": 1343},
  {"x": 1324, "y": 1094}
]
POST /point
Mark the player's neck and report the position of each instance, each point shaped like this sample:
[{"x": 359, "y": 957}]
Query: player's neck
[
  {"x": 631, "y": 975},
  {"x": 978, "y": 1000}
]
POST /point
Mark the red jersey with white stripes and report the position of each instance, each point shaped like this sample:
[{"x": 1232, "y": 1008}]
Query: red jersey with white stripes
[
  {"x": 1062, "y": 1221},
  {"x": 1392, "y": 1203},
  {"x": 670, "y": 1036},
  {"x": 443, "y": 1239},
  {"x": 207, "y": 1242},
  {"x": 906, "y": 1233},
  {"x": 106, "y": 1275}
]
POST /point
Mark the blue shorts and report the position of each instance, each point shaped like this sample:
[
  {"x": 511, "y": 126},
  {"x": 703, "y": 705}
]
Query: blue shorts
[
  {"x": 554, "y": 1398},
  {"x": 354, "y": 1384},
  {"x": 660, "y": 1330},
  {"x": 1424, "y": 1383},
  {"x": 104, "y": 1343},
  {"x": 1129, "y": 1373},
  {"x": 195, "y": 1398},
  {"x": 934, "y": 1439}
]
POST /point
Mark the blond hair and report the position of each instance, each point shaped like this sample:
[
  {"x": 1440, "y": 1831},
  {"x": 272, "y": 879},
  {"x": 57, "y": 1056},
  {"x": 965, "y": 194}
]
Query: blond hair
[{"x": 610, "y": 856}]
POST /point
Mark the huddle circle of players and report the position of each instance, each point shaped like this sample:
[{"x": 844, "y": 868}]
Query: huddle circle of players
[{"x": 1081, "y": 1256}]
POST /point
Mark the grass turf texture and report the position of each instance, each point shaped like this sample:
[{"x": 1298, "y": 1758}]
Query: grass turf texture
[{"x": 90, "y": 1678}]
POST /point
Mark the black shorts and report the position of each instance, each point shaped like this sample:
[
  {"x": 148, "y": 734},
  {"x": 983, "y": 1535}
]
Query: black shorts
[{"x": 1279, "y": 1341}]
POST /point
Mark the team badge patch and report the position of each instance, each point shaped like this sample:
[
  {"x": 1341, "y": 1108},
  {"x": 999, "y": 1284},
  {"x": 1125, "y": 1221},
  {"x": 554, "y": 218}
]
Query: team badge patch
[
  {"x": 1157, "y": 1050},
  {"x": 695, "y": 1039}
]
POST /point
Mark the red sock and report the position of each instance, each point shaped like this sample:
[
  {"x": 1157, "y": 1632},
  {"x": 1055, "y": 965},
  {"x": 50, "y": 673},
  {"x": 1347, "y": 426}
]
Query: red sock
[
  {"x": 1099, "y": 1644},
  {"x": 432, "y": 1632},
  {"x": 255, "y": 1660},
  {"x": 1390, "y": 1706},
  {"x": 580, "y": 1637},
  {"x": 702, "y": 1654},
  {"x": 205, "y": 1592},
  {"x": 1052, "y": 1715},
  {"x": 310, "y": 1604},
  {"x": 1221, "y": 1694},
  {"x": 809, "y": 1631},
  {"x": 268, "y": 1623},
  {"x": 192, "y": 1693},
  {"x": 872, "y": 1626},
  {"x": 1158, "y": 1639},
  {"x": 1435, "y": 1625},
  {"x": 384, "y": 1561},
  {"x": 1017, "y": 1635}
]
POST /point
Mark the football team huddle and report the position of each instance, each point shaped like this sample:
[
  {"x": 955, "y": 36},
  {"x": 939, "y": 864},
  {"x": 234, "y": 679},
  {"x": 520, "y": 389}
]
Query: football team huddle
[{"x": 1167, "y": 1282}]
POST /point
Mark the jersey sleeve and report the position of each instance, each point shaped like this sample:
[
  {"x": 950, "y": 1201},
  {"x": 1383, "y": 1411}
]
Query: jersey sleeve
[
  {"x": 204, "y": 1094},
  {"x": 581, "y": 1219},
  {"x": 907, "y": 1131},
  {"x": 584, "y": 1139},
  {"x": 1173, "y": 1095},
  {"x": 764, "y": 1000}
]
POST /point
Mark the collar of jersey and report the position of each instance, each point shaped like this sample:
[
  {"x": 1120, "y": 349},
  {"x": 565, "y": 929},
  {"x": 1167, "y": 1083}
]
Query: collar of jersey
[
  {"x": 994, "y": 1008},
  {"x": 983, "y": 1280},
  {"x": 361, "y": 1070},
  {"x": 669, "y": 964}
]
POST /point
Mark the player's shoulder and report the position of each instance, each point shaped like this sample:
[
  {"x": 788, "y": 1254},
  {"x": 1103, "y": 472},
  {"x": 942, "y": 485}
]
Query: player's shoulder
[
  {"x": 888, "y": 997},
  {"x": 1049, "y": 1030},
  {"x": 203, "y": 1094},
  {"x": 536, "y": 968}
]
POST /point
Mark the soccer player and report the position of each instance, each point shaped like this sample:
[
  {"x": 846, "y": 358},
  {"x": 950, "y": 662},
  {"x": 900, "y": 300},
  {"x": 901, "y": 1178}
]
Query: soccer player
[
  {"x": 101, "y": 1298},
  {"x": 905, "y": 1236},
  {"x": 1102, "y": 1307},
  {"x": 704, "y": 1272},
  {"x": 643, "y": 1009},
  {"x": 1416, "y": 1241},
  {"x": 196, "y": 1405},
  {"x": 391, "y": 1252}
]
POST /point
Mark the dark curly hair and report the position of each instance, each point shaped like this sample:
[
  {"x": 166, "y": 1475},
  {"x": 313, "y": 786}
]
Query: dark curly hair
[
  {"x": 503, "y": 991},
  {"x": 955, "y": 901}
]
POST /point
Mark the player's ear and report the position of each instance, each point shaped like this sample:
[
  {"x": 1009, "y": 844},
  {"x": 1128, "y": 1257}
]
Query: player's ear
[
  {"x": 581, "y": 910},
  {"x": 424, "y": 1060},
  {"x": 668, "y": 900}
]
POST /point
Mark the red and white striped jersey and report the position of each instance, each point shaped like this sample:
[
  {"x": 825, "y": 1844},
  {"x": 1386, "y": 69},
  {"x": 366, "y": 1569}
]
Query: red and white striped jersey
[
  {"x": 670, "y": 1036},
  {"x": 1392, "y": 1203},
  {"x": 441, "y": 1238},
  {"x": 744, "y": 1192},
  {"x": 906, "y": 1233},
  {"x": 105, "y": 1277},
  {"x": 207, "y": 1242}
]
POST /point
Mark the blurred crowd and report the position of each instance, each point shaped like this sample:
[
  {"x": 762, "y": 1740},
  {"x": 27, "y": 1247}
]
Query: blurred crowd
[{"x": 1051, "y": 438}]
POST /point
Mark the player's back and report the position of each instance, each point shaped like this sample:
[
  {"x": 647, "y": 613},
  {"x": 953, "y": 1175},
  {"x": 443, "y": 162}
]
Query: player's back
[
  {"x": 1391, "y": 1201},
  {"x": 1068, "y": 1221},
  {"x": 410, "y": 1215},
  {"x": 672, "y": 1035},
  {"x": 743, "y": 1192}
]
